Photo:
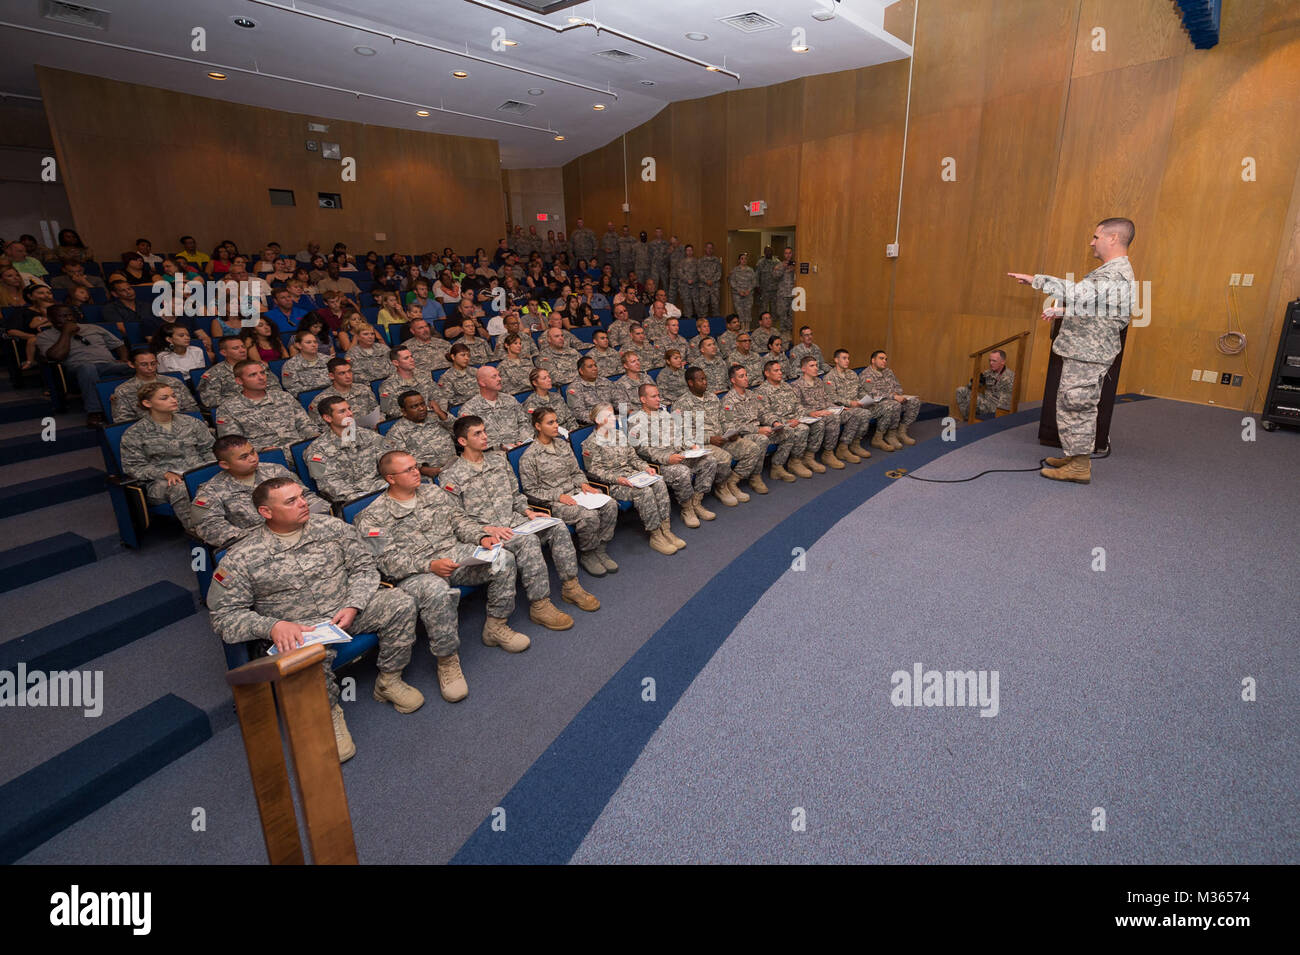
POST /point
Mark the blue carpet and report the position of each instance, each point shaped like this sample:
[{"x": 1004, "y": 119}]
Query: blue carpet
[
  {"x": 551, "y": 808},
  {"x": 23, "y": 565}
]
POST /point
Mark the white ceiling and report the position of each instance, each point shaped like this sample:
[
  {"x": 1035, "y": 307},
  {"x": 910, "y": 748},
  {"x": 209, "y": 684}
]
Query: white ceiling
[{"x": 293, "y": 46}]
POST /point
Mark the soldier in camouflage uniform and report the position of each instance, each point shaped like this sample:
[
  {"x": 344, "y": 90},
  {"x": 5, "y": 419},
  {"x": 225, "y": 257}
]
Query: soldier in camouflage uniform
[
  {"x": 342, "y": 461},
  {"x": 582, "y": 243},
  {"x": 542, "y": 396},
  {"x": 268, "y": 419},
  {"x": 549, "y": 473},
  {"x": 223, "y": 505},
  {"x": 609, "y": 459},
  {"x": 301, "y": 569},
  {"x": 737, "y": 458},
  {"x": 420, "y": 538},
  {"x": 627, "y": 244},
  {"x": 557, "y": 358},
  {"x": 845, "y": 389},
  {"x": 609, "y": 248},
  {"x": 805, "y": 347},
  {"x": 745, "y": 356},
  {"x": 743, "y": 281},
  {"x": 997, "y": 387},
  {"x": 900, "y": 410},
  {"x": 744, "y": 411},
  {"x": 784, "y": 271},
  {"x": 162, "y": 446},
  {"x": 485, "y": 485},
  {"x": 650, "y": 355},
  {"x": 660, "y": 438},
  {"x": 588, "y": 391},
  {"x": 672, "y": 379},
  {"x": 306, "y": 370},
  {"x": 1094, "y": 312},
  {"x": 460, "y": 381},
  {"x": 218, "y": 382},
  {"x": 514, "y": 369},
  {"x": 429, "y": 442},
  {"x": 502, "y": 415},
  {"x": 815, "y": 398},
  {"x": 122, "y": 403},
  {"x": 765, "y": 275},
  {"x": 608, "y": 362},
  {"x": 715, "y": 367},
  {"x": 708, "y": 291},
  {"x": 430, "y": 352},
  {"x": 369, "y": 358},
  {"x": 685, "y": 280},
  {"x": 406, "y": 377},
  {"x": 783, "y": 401},
  {"x": 658, "y": 247}
]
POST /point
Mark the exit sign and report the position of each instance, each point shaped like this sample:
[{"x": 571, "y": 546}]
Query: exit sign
[{"x": 758, "y": 207}]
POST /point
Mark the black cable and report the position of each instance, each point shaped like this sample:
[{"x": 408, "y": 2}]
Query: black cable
[{"x": 1042, "y": 463}]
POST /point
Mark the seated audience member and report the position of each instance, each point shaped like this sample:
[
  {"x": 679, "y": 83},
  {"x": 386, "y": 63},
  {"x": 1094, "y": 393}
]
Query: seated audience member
[
  {"x": 879, "y": 382},
  {"x": 998, "y": 384},
  {"x": 145, "y": 363},
  {"x": 306, "y": 370},
  {"x": 549, "y": 473},
  {"x": 87, "y": 353},
  {"x": 163, "y": 445},
  {"x": 261, "y": 579},
  {"x": 359, "y": 396},
  {"x": 343, "y": 460},
  {"x": 223, "y": 505},
  {"x": 607, "y": 457},
  {"x": 269, "y": 419}
]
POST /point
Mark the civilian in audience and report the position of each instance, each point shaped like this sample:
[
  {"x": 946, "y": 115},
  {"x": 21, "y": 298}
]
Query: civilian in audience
[
  {"x": 145, "y": 364},
  {"x": 87, "y": 352},
  {"x": 164, "y": 444}
]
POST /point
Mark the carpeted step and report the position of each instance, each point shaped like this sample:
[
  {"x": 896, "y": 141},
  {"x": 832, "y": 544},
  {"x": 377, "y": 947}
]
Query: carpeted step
[
  {"x": 62, "y": 790},
  {"x": 22, "y": 410},
  {"x": 30, "y": 495},
  {"x": 13, "y": 450},
  {"x": 83, "y": 637},
  {"x": 44, "y": 558}
]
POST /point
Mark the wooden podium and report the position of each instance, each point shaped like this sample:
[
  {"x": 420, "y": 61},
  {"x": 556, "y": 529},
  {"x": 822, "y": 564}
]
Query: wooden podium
[{"x": 1047, "y": 433}]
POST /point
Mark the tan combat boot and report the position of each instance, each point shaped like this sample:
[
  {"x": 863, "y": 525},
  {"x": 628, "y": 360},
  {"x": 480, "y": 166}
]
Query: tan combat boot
[
  {"x": 392, "y": 688},
  {"x": 571, "y": 592},
  {"x": 688, "y": 513},
  {"x": 451, "y": 681},
  {"x": 857, "y": 448},
  {"x": 891, "y": 437},
  {"x": 904, "y": 436},
  {"x": 548, "y": 615},
  {"x": 1077, "y": 469},
  {"x": 667, "y": 529},
  {"x": 878, "y": 441},
  {"x": 497, "y": 633},
  {"x": 342, "y": 738},
  {"x": 722, "y": 491},
  {"x": 701, "y": 511},
  {"x": 844, "y": 454},
  {"x": 781, "y": 474},
  {"x": 736, "y": 492},
  {"x": 661, "y": 544},
  {"x": 831, "y": 461},
  {"x": 812, "y": 464},
  {"x": 756, "y": 483}
]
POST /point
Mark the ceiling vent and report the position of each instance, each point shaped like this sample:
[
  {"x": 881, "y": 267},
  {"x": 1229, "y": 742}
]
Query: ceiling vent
[
  {"x": 75, "y": 14},
  {"x": 619, "y": 56},
  {"x": 750, "y": 22},
  {"x": 513, "y": 106}
]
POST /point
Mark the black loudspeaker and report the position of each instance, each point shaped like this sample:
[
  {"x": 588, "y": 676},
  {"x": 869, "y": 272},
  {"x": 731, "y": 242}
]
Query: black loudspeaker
[
  {"x": 1282, "y": 406},
  {"x": 1047, "y": 433}
]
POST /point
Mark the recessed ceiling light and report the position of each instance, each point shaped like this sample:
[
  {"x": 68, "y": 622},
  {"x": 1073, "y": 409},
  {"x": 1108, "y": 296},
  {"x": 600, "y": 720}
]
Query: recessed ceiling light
[
  {"x": 363, "y": 50},
  {"x": 535, "y": 92},
  {"x": 647, "y": 82},
  {"x": 244, "y": 22},
  {"x": 216, "y": 76},
  {"x": 559, "y": 139},
  {"x": 697, "y": 36},
  {"x": 459, "y": 74},
  {"x": 421, "y": 112},
  {"x": 598, "y": 106}
]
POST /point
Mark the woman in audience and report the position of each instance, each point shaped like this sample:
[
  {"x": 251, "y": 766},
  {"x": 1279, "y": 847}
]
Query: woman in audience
[
  {"x": 220, "y": 262},
  {"x": 610, "y": 459},
  {"x": 176, "y": 353},
  {"x": 548, "y": 472},
  {"x": 133, "y": 270},
  {"x": 11, "y": 288},
  {"x": 264, "y": 341},
  {"x": 71, "y": 247},
  {"x": 163, "y": 445},
  {"x": 447, "y": 290},
  {"x": 390, "y": 310}
]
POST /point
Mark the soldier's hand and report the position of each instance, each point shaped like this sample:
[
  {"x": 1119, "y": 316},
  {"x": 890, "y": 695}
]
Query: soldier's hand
[
  {"x": 287, "y": 636},
  {"x": 345, "y": 617},
  {"x": 568, "y": 499},
  {"x": 173, "y": 479},
  {"x": 443, "y": 567},
  {"x": 1022, "y": 278}
]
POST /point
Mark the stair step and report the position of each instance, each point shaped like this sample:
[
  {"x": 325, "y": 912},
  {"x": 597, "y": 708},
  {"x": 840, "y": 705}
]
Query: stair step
[
  {"x": 27, "y": 447},
  {"x": 82, "y": 637},
  {"x": 30, "y": 495},
  {"x": 22, "y": 410},
  {"x": 44, "y": 558},
  {"x": 62, "y": 790}
]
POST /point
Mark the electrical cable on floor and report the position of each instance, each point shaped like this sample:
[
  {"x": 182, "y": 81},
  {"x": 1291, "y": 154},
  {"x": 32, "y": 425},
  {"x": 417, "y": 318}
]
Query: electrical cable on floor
[{"x": 1042, "y": 463}]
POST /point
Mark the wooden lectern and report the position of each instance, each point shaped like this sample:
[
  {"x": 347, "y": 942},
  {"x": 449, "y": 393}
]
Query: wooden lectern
[{"x": 1047, "y": 433}]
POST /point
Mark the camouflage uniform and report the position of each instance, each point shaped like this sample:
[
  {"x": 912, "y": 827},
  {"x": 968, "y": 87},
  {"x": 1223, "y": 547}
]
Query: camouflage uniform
[
  {"x": 801, "y": 351},
  {"x": 658, "y": 262},
  {"x": 746, "y": 413},
  {"x": 361, "y": 399},
  {"x": 503, "y": 419},
  {"x": 1097, "y": 309},
  {"x": 489, "y": 493},
  {"x": 782, "y": 401},
  {"x": 406, "y": 540},
  {"x": 553, "y": 401},
  {"x": 706, "y": 422},
  {"x": 430, "y": 443},
  {"x": 582, "y": 397},
  {"x": 743, "y": 281},
  {"x": 656, "y": 438},
  {"x": 608, "y": 458},
  {"x": 785, "y": 281},
  {"x": 995, "y": 396},
  {"x": 561, "y": 363},
  {"x": 368, "y": 366},
  {"x": 150, "y": 450},
  {"x": 651, "y": 357},
  {"x": 765, "y": 275},
  {"x": 708, "y": 290},
  {"x": 815, "y": 397},
  {"x": 429, "y": 356},
  {"x": 124, "y": 408},
  {"x": 345, "y": 471},
  {"x": 277, "y": 421},
  {"x": 514, "y": 374},
  {"x": 608, "y": 363},
  {"x": 843, "y": 387},
  {"x": 218, "y": 383},
  {"x": 298, "y": 376},
  {"x": 392, "y": 387},
  {"x": 264, "y": 579},
  {"x": 548, "y": 471},
  {"x": 223, "y": 506},
  {"x": 882, "y": 385},
  {"x": 672, "y": 383},
  {"x": 686, "y": 275},
  {"x": 459, "y": 386},
  {"x": 609, "y": 249},
  {"x": 582, "y": 244}
]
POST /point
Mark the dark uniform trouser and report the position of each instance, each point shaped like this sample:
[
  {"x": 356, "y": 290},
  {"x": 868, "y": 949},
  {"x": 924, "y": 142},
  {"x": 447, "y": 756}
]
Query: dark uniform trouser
[
  {"x": 390, "y": 615},
  {"x": 592, "y": 527},
  {"x": 1076, "y": 404}
]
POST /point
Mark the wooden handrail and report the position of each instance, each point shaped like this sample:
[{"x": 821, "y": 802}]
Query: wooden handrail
[
  {"x": 977, "y": 385},
  {"x": 300, "y": 685}
]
